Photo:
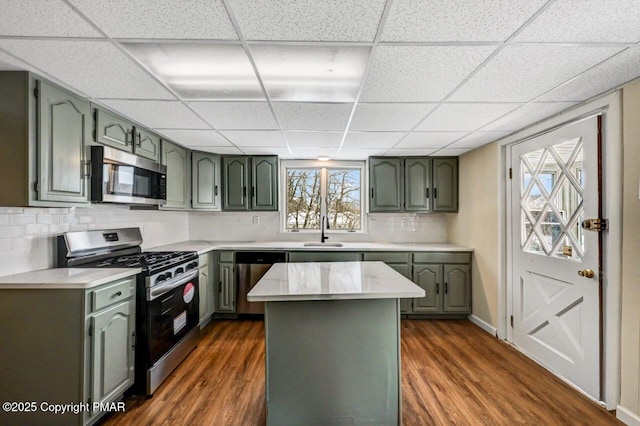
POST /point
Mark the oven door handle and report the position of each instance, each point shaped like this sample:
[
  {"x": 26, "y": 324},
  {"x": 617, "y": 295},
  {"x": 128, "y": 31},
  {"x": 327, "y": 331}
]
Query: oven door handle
[{"x": 169, "y": 285}]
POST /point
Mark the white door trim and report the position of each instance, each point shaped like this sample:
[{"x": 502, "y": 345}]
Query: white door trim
[{"x": 611, "y": 107}]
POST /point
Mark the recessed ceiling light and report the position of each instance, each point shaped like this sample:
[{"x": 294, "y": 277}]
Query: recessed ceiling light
[{"x": 323, "y": 158}]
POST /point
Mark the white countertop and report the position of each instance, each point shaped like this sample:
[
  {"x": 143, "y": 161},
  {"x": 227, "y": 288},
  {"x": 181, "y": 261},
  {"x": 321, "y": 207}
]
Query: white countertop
[
  {"x": 332, "y": 281},
  {"x": 65, "y": 278},
  {"x": 205, "y": 246}
]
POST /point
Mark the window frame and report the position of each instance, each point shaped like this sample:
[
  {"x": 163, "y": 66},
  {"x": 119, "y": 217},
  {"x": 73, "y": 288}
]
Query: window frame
[{"x": 323, "y": 166}]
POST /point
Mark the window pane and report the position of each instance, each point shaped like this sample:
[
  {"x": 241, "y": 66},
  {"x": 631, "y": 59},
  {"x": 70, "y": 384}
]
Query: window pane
[
  {"x": 303, "y": 198},
  {"x": 343, "y": 198}
]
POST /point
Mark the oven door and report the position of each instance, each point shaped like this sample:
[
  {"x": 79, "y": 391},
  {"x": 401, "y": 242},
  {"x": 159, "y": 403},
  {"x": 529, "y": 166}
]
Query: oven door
[{"x": 173, "y": 312}]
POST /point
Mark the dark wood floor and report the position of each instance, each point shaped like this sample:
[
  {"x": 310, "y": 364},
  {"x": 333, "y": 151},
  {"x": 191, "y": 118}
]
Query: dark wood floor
[{"x": 453, "y": 373}]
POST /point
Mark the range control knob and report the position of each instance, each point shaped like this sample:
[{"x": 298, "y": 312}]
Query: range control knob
[{"x": 192, "y": 265}]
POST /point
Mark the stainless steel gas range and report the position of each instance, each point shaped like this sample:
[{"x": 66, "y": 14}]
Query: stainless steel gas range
[{"x": 166, "y": 296}]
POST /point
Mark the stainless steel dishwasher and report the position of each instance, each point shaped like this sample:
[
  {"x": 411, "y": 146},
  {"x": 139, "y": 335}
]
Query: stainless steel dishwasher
[{"x": 252, "y": 265}]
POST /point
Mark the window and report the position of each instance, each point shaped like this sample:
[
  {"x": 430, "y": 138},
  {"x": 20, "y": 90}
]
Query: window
[{"x": 314, "y": 189}]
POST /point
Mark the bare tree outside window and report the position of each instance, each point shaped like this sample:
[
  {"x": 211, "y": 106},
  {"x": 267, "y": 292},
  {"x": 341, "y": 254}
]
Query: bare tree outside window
[{"x": 308, "y": 195}]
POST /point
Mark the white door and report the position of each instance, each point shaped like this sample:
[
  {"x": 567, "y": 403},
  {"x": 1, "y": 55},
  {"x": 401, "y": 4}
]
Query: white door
[{"x": 555, "y": 302}]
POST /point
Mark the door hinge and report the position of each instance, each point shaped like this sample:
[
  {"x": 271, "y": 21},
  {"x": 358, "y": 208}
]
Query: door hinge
[
  {"x": 510, "y": 173},
  {"x": 597, "y": 225},
  {"x": 511, "y": 320}
]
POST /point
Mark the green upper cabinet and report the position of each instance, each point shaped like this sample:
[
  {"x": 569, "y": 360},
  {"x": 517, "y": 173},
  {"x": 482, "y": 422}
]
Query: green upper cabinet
[
  {"x": 175, "y": 158},
  {"x": 113, "y": 131},
  {"x": 264, "y": 183},
  {"x": 147, "y": 144},
  {"x": 250, "y": 183},
  {"x": 64, "y": 123},
  {"x": 385, "y": 184},
  {"x": 118, "y": 132},
  {"x": 413, "y": 184},
  {"x": 417, "y": 184},
  {"x": 445, "y": 184},
  {"x": 205, "y": 181},
  {"x": 235, "y": 177}
]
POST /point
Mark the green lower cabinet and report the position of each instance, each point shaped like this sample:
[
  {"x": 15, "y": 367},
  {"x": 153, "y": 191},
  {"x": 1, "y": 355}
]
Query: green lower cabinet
[
  {"x": 405, "y": 271},
  {"x": 457, "y": 286},
  {"x": 227, "y": 289},
  {"x": 429, "y": 278},
  {"x": 206, "y": 268},
  {"x": 324, "y": 256}
]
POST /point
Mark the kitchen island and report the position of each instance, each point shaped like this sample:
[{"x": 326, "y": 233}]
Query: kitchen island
[{"x": 333, "y": 342}]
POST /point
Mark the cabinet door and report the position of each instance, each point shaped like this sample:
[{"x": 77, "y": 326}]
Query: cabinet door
[
  {"x": 445, "y": 185},
  {"x": 235, "y": 171},
  {"x": 175, "y": 158},
  {"x": 205, "y": 181},
  {"x": 264, "y": 183},
  {"x": 112, "y": 351},
  {"x": 227, "y": 299},
  {"x": 147, "y": 145},
  {"x": 385, "y": 186},
  {"x": 63, "y": 132},
  {"x": 429, "y": 277},
  {"x": 113, "y": 131},
  {"x": 417, "y": 183},
  {"x": 203, "y": 294},
  {"x": 457, "y": 288}
]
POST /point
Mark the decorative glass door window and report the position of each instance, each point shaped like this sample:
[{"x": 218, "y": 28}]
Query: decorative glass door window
[{"x": 551, "y": 202}]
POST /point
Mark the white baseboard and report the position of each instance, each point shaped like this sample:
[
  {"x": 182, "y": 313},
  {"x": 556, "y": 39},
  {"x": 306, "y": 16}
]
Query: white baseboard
[
  {"x": 483, "y": 325},
  {"x": 627, "y": 417}
]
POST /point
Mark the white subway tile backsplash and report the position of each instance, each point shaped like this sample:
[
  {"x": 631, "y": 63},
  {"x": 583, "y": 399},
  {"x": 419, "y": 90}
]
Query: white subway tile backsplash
[
  {"x": 22, "y": 219},
  {"x": 5, "y": 244},
  {"x": 11, "y": 231},
  {"x": 4, "y": 219}
]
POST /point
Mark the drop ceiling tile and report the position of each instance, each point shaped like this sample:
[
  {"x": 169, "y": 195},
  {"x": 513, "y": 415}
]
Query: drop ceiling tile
[
  {"x": 193, "y": 19},
  {"x": 478, "y": 139},
  {"x": 451, "y": 152},
  {"x": 96, "y": 68},
  {"x": 389, "y": 116},
  {"x": 308, "y": 20},
  {"x": 312, "y": 116},
  {"x": 468, "y": 116},
  {"x": 52, "y": 18},
  {"x": 267, "y": 150},
  {"x": 224, "y": 150},
  {"x": 526, "y": 115},
  {"x": 202, "y": 71},
  {"x": 371, "y": 140},
  {"x": 311, "y": 73},
  {"x": 192, "y": 137},
  {"x": 236, "y": 115},
  {"x": 419, "y": 73},
  {"x": 429, "y": 139},
  {"x": 313, "y": 153},
  {"x": 457, "y": 20},
  {"x": 410, "y": 152},
  {"x": 255, "y": 138},
  {"x": 586, "y": 21},
  {"x": 614, "y": 72},
  {"x": 298, "y": 140},
  {"x": 158, "y": 114},
  {"x": 359, "y": 154},
  {"x": 519, "y": 73}
]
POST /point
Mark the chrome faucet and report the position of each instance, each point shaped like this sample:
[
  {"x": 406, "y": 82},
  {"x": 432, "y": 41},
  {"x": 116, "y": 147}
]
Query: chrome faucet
[{"x": 324, "y": 223}]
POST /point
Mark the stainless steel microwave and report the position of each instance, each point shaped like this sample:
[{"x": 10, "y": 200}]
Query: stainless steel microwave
[{"x": 120, "y": 177}]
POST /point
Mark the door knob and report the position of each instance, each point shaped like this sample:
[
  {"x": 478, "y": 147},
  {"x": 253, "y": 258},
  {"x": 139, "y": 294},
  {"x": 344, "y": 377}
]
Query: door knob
[{"x": 587, "y": 273}]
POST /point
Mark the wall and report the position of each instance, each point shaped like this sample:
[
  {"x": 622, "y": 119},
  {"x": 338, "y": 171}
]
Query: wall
[
  {"x": 476, "y": 225},
  {"x": 27, "y": 235},
  {"x": 381, "y": 228},
  {"x": 630, "y": 325}
]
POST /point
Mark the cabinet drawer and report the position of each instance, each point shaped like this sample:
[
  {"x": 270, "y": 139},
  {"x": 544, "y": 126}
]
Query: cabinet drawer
[
  {"x": 226, "y": 256},
  {"x": 203, "y": 260},
  {"x": 387, "y": 257},
  {"x": 323, "y": 256},
  {"x": 439, "y": 257},
  {"x": 112, "y": 293}
]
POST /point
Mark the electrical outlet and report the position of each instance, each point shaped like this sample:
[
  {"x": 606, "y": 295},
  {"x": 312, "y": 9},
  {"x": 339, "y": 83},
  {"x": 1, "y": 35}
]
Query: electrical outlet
[
  {"x": 403, "y": 223},
  {"x": 256, "y": 220}
]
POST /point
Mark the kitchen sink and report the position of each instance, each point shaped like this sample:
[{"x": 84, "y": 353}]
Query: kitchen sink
[{"x": 323, "y": 244}]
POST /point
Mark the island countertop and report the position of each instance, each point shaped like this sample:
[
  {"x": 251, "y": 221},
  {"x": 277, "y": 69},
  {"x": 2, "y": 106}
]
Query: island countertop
[{"x": 332, "y": 281}]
